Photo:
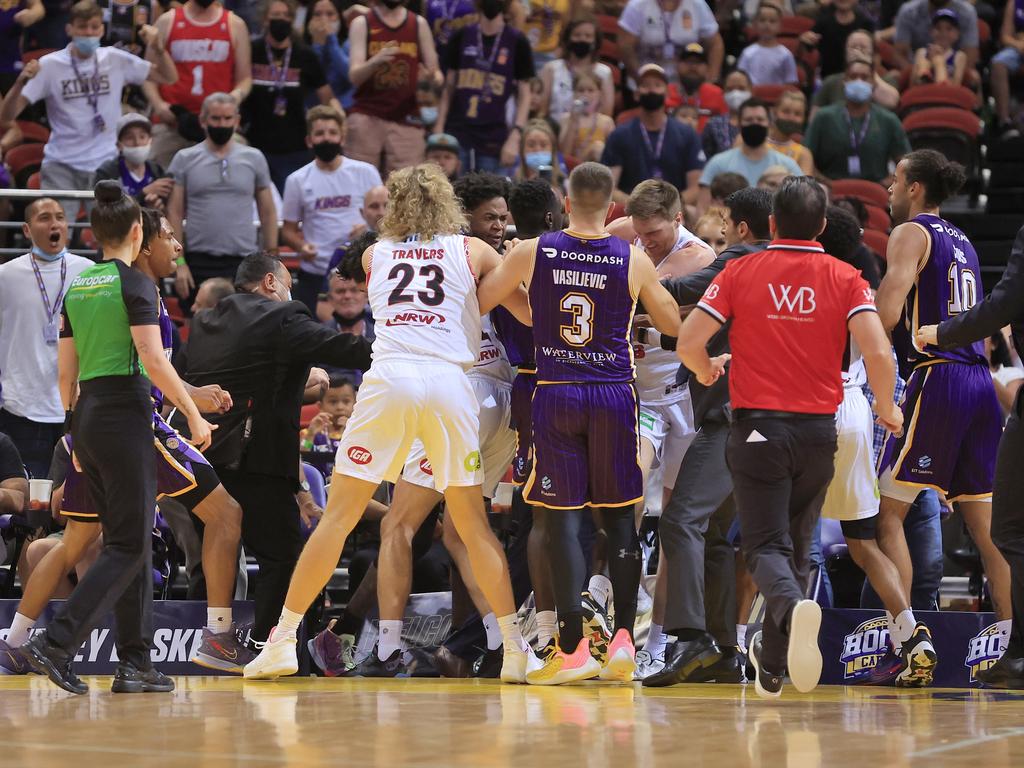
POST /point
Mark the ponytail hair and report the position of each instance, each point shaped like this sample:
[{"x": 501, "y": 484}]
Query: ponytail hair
[
  {"x": 940, "y": 177},
  {"x": 114, "y": 213}
]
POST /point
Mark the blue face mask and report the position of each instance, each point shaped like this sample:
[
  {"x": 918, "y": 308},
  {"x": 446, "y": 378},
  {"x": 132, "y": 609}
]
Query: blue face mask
[
  {"x": 86, "y": 46},
  {"x": 39, "y": 253},
  {"x": 536, "y": 160},
  {"x": 429, "y": 116},
  {"x": 857, "y": 91}
]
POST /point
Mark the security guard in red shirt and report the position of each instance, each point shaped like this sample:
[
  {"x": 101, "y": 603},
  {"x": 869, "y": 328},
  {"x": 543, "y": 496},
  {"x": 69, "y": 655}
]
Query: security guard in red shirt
[{"x": 792, "y": 307}]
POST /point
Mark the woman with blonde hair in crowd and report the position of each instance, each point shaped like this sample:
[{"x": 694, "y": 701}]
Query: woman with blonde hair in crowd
[
  {"x": 711, "y": 228},
  {"x": 538, "y": 154},
  {"x": 584, "y": 129}
]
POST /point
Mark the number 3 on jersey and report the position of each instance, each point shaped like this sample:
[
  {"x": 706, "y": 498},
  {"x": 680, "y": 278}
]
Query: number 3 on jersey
[{"x": 581, "y": 328}]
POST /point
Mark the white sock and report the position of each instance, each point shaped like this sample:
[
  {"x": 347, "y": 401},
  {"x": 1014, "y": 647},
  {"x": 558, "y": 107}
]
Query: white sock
[
  {"x": 902, "y": 627},
  {"x": 1005, "y": 627},
  {"x": 511, "y": 634},
  {"x": 287, "y": 625},
  {"x": 897, "y": 645},
  {"x": 547, "y": 623},
  {"x": 655, "y": 643},
  {"x": 741, "y": 636},
  {"x": 600, "y": 588},
  {"x": 390, "y": 639},
  {"x": 493, "y": 631},
  {"x": 218, "y": 619},
  {"x": 19, "y": 631}
]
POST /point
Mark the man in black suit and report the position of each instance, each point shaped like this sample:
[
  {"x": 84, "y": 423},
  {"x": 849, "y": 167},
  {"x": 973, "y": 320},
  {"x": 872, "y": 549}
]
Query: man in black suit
[
  {"x": 259, "y": 345},
  {"x": 696, "y": 520}
]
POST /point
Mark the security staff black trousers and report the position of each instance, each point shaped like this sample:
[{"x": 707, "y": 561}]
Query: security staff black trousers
[
  {"x": 781, "y": 466},
  {"x": 112, "y": 434},
  {"x": 1008, "y": 513}
]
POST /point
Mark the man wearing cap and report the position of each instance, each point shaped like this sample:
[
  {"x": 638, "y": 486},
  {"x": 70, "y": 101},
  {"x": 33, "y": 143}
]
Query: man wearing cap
[
  {"x": 693, "y": 89},
  {"x": 443, "y": 150},
  {"x": 144, "y": 179},
  {"x": 651, "y": 146}
]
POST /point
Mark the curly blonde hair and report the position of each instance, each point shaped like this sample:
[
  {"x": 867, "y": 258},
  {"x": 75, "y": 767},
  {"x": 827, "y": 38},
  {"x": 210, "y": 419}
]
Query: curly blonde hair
[{"x": 422, "y": 202}]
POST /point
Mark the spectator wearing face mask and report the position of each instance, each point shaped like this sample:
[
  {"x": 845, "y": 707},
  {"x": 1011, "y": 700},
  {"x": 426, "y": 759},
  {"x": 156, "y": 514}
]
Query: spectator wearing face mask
[
  {"x": 788, "y": 118},
  {"x": 721, "y": 131},
  {"x": 581, "y": 44},
  {"x": 751, "y": 158},
  {"x": 856, "y": 139},
  {"x": 489, "y": 63},
  {"x": 538, "y": 154},
  {"x": 859, "y": 45},
  {"x": 142, "y": 178},
  {"x": 326, "y": 35}
]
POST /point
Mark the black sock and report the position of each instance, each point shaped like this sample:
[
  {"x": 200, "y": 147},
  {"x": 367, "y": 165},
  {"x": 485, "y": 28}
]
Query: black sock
[{"x": 625, "y": 562}]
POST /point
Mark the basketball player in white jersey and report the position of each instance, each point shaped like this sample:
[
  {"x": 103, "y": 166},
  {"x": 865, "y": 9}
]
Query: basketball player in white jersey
[
  {"x": 654, "y": 222},
  {"x": 421, "y": 284}
]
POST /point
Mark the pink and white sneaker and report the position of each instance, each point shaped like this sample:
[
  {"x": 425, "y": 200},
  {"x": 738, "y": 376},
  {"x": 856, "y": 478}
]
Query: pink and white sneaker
[{"x": 621, "y": 658}]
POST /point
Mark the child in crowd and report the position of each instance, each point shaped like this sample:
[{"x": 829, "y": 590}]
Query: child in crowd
[
  {"x": 767, "y": 61},
  {"x": 711, "y": 228},
  {"x": 688, "y": 114},
  {"x": 941, "y": 62},
  {"x": 584, "y": 130},
  {"x": 319, "y": 441}
]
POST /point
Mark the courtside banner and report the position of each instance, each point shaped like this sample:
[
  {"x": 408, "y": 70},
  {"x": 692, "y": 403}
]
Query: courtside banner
[
  {"x": 177, "y": 633},
  {"x": 854, "y": 641}
]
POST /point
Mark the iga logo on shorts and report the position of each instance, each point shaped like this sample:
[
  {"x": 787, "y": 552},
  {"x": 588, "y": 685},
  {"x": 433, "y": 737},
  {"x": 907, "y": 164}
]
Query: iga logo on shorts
[
  {"x": 425, "y": 467},
  {"x": 359, "y": 455},
  {"x": 864, "y": 647},
  {"x": 984, "y": 650},
  {"x": 472, "y": 462}
]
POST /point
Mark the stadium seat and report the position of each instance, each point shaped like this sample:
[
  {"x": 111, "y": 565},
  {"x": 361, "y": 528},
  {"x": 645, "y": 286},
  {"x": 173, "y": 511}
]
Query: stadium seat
[
  {"x": 936, "y": 95},
  {"x": 984, "y": 35},
  {"x": 609, "y": 26},
  {"x": 887, "y": 53},
  {"x": 33, "y": 181},
  {"x": 770, "y": 93},
  {"x": 610, "y": 53},
  {"x": 618, "y": 211},
  {"x": 878, "y": 218},
  {"x": 174, "y": 309},
  {"x": 24, "y": 160},
  {"x": 794, "y": 26},
  {"x": 951, "y": 132},
  {"x": 869, "y": 192},
  {"x": 32, "y": 132},
  {"x": 627, "y": 115},
  {"x": 38, "y": 53},
  {"x": 307, "y": 413},
  {"x": 876, "y": 241}
]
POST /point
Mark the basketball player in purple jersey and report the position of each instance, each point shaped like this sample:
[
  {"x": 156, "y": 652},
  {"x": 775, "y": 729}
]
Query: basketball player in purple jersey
[
  {"x": 583, "y": 286},
  {"x": 953, "y": 418}
]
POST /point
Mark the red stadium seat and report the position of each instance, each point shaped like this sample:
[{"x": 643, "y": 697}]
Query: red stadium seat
[
  {"x": 876, "y": 241},
  {"x": 33, "y": 181},
  {"x": 887, "y": 53},
  {"x": 610, "y": 53},
  {"x": 770, "y": 93},
  {"x": 38, "y": 53},
  {"x": 867, "y": 191},
  {"x": 570, "y": 162},
  {"x": 33, "y": 132},
  {"x": 618, "y": 211},
  {"x": 878, "y": 218},
  {"x": 794, "y": 26},
  {"x": 953, "y": 133},
  {"x": 984, "y": 34},
  {"x": 609, "y": 26},
  {"x": 937, "y": 95},
  {"x": 173, "y": 307},
  {"x": 307, "y": 413},
  {"x": 24, "y": 160},
  {"x": 627, "y": 115}
]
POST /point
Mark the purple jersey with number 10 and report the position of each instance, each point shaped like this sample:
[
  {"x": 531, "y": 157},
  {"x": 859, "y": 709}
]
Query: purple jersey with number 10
[
  {"x": 948, "y": 284},
  {"x": 582, "y": 309}
]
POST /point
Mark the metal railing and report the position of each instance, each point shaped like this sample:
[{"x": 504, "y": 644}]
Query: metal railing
[{"x": 35, "y": 194}]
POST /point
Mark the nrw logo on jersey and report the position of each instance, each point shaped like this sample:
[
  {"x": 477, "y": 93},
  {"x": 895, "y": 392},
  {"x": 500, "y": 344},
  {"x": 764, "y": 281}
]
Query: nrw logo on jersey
[
  {"x": 984, "y": 650},
  {"x": 359, "y": 455},
  {"x": 417, "y": 317},
  {"x": 864, "y": 647},
  {"x": 425, "y": 467}
]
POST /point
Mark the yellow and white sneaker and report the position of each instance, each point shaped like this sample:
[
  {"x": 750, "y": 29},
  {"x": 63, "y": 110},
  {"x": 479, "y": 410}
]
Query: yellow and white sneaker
[{"x": 561, "y": 667}]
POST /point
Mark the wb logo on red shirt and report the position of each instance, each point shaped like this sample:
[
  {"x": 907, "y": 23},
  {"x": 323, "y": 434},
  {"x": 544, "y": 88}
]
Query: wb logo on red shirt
[{"x": 799, "y": 300}]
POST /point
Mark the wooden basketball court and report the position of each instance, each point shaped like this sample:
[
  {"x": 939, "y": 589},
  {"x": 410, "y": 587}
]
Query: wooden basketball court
[{"x": 211, "y": 722}]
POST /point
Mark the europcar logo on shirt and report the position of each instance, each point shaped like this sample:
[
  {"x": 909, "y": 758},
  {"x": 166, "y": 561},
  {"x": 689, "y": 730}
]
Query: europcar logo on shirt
[
  {"x": 984, "y": 650},
  {"x": 359, "y": 455},
  {"x": 864, "y": 647}
]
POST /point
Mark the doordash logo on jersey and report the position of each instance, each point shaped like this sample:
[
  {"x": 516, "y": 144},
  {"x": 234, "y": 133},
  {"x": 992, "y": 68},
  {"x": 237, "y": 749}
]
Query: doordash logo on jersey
[
  {"x": 799, "y": 300},
  {"x": 417, "y": 317},
  {"x": 359, "y": 455}
]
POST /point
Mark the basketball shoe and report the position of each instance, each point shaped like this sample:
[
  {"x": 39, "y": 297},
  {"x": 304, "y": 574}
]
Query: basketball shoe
[
  {"x": 621, "y": 658},
  {"x": 647, "y": 665},
  {"x": 225, "y": 651},
  {"x": 277, "y": 659},
  {"x": 12, "y": 660},
  {"x": 596, "y": 628},
  {"x": 561, "y": 667},
  {"x": 919, "y": 660},
  {"x": 333, "y": 654},
  {"x": 372, "y": 666}
]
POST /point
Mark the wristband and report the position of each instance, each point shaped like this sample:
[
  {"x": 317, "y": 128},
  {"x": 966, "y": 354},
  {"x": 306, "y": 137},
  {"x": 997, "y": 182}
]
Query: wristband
[
  {"x": 67, "y": 421},
  {"x": 180, "y": 261}
]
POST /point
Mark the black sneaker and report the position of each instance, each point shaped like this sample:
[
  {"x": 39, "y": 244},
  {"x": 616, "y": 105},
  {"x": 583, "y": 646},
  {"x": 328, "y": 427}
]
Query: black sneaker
[
  {"x": 686, "y": 661},
  {"x": 49, "y": 660},
  {"x": 488, "y": 666},
  {"x": 767, "y": 684},
  {"x": 129, "y": 679},
  {"x": 919, "y": 660},
  {"x": 371, "y": 666},
  {"x": 728, "y": 669},
  {"x": 225, "y": 651}
]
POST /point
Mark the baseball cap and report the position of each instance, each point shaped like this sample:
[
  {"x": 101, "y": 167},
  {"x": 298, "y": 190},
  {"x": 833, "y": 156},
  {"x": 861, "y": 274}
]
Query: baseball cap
[
  {"x": 946, "y": 14},
  {"x": 693, "y": 51},
  {"x": 651, "y": 69},
  {"x": 443, "y": 141},
  {"x": 133, "y": 118}
]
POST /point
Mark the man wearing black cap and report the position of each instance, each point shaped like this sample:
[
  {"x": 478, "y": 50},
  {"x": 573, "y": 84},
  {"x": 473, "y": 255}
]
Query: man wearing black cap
[
  {"x": 694, "y": 89},
  {"x": 444, "y": 150}
]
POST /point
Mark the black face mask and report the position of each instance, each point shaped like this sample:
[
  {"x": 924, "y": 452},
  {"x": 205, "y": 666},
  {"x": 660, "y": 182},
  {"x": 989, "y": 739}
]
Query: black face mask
[
  {"x": 326, "y": 151},
  {"x": 691, "y": 84},
  {"x": 220, "y": 134},
  {"x": 754, "y": 135},
  {"x": 581, "y": 48},
  {"x": 491, "y": 9},
  {"x": 392, "y": 4},
  {"x": 279, "y": 29},
  {"x": 204, "y": 3},
  {"x": 651, "y": 102}
]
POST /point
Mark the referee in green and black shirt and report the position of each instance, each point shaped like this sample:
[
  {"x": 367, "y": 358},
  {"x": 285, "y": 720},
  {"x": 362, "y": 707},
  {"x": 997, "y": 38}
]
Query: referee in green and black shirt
[{"x": 110, "y": 346}]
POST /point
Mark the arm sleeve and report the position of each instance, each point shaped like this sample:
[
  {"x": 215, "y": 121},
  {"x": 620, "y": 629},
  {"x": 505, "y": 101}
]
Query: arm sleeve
[
  {"x": 291, "y": 208},
  {"x": 135, "y": 70},
  {"x": 859, "y": 295},
  {"x": 10, "y": 460},
  {"x": 1003, "y": 305},
  {"x": 305, "y": 340},
  {"x": 632, "y": 18},
  {"x": 524, "y": 69},
  {"x": 716, "y": 300},
  {"x": 140, "y": 298}
]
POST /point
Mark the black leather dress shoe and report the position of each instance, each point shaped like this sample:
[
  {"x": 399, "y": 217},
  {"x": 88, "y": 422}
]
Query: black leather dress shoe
[
  {"x": 129, "y": 679},
  {"x": 686, "y": 661},
  {"x": 47, "y": 659},
  {"x": 728, "y": 669},
  {"x": 1008, "y": 672}
]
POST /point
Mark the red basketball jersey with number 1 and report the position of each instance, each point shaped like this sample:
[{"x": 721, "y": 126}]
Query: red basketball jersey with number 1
[{"x": 204, "y": 58}]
